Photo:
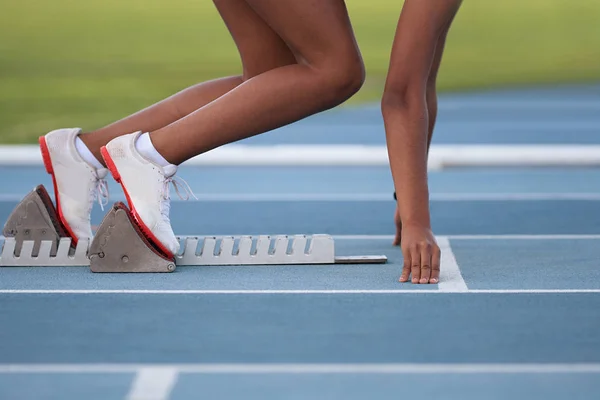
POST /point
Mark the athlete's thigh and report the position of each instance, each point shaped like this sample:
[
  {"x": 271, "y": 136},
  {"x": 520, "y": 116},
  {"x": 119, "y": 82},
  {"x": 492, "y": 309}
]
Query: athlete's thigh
[
  {"x": 317, "y": 31},
  {"x": 260, "y": 47}
]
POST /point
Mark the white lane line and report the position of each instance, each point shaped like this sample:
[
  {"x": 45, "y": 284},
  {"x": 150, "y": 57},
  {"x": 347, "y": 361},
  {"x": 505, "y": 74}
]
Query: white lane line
[
  {"x": 514, "y": 196},
  {"x": 388, "y": 197},
  {"x": 532, "y": 291},
  {"x": 364, "y": 197},
  {"x": 216, "y": 292},
  {"x": 451, "y": 279},
  {"x": 391, "y": 368},
  {"x": 519, "y": 104},
  {"x": 458, "y": 290},
  {"x": 257, "y": 197},
  {"x": 523, "y": 237},
  {"x": 364, "y": 237},
  {"x": 153, "y": 383},
  {"x": 477, "y": 237},
  {"x": 450, "y": 237}
]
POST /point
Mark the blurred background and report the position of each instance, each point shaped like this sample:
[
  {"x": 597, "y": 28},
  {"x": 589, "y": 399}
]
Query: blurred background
[{"x": 87, "y": 63}]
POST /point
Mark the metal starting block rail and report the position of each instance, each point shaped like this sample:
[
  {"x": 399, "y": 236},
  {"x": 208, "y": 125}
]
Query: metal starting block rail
[{"x": 34, "y": 237}]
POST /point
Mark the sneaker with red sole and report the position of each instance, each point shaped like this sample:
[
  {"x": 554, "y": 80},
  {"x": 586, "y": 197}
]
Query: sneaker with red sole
[
  {"x": 146, "y": 187},
  {"x": 77, "y": 184}
]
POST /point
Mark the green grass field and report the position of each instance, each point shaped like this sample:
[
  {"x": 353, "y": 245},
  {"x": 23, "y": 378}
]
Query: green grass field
[{"x": 86, "y": 63}]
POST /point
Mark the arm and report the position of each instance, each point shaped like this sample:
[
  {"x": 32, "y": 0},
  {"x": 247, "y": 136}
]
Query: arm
[{"x": 409, "y": 108}]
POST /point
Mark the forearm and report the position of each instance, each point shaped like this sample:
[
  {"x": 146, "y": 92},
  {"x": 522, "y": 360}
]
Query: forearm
[
  {"x": 407, "y": 131},
  {"x": 409, "y": 108}
]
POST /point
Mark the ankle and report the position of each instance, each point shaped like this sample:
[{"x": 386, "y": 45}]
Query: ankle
[
  {"x": 144, "y": 145},
  {"x": 84, "y": 150}
]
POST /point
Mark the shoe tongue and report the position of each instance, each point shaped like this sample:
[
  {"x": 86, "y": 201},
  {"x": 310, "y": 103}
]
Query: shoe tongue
[
  {"x": 101, "y": 173},
  {"x": 169, "y": 170}
]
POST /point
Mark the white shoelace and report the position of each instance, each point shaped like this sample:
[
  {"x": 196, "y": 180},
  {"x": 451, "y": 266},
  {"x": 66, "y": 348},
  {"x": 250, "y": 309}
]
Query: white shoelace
[
  {"x": 100, "y": 192},
  {"x": 177, "y": 184}
]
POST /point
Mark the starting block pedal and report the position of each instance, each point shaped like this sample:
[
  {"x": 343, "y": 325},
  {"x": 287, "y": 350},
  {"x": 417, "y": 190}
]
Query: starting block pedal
[
  {"x": 34, "y": 221},
  {"x": 120, "y": 246},
  {"x": 34, "y": 236}
]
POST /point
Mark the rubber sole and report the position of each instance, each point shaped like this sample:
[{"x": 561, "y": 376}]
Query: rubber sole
[
  {"x": 110, "y": 164},
  {"x": 48, "y": 164}
]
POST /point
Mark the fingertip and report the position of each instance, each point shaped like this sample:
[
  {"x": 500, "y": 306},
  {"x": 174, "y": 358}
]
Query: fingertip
[
  {"x": 433, "y": 280},
  {"x": 423, "y": 280}
]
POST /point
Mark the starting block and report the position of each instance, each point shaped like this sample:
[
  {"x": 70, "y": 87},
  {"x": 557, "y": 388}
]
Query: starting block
[{"x": 34, "y": 236}]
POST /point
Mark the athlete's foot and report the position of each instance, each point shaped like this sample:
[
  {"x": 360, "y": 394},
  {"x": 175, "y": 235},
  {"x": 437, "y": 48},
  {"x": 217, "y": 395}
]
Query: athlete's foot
[
  {"x": 146, "y": 187},
  {"x": 77, "y": 182}
]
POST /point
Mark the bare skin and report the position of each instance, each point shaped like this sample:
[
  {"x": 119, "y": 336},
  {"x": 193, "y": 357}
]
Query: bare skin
[
  {"x": 299, "y": 58},
  {"x": 409, "y": 108},
  {"x": 160, "y": 114},
  {"x": 431, "y": 96},
  {"x": 329, "y": 70}
]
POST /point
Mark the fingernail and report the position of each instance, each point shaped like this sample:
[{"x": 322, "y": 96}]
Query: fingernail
[
  {"x": 423, "y": 280},
  {"x": 433, "y": 280}
]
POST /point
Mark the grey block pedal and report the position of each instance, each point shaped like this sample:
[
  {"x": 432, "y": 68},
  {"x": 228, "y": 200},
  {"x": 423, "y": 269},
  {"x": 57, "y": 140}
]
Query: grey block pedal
[
  {"x": 120, "y": 246},
  {"x": 32, "y": 221}
]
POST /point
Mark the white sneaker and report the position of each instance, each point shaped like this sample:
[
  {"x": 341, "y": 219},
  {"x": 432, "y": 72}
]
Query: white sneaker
[
  {"x": 76, "y": 183},
  {"x": 146, "y": 186}
]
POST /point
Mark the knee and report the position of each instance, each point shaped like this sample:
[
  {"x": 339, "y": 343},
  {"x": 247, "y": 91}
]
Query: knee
[
  {"x": 349, "y": 78},
  {"x": 342, "y": 79}
]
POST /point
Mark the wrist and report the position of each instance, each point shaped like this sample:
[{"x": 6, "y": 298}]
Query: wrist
[
  {"x": 415, "y": 215},
  {"x": 421, "y": 222}
]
